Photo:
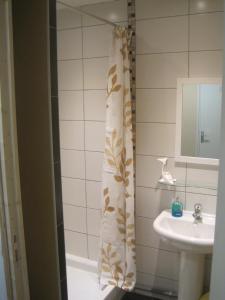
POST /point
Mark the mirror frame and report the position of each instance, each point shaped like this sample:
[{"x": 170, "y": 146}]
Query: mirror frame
[{"x": 178, "y": 156}]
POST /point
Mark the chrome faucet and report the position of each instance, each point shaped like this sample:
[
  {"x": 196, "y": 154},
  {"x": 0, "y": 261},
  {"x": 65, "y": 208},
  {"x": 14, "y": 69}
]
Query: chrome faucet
[{"x": 197, "y": 213}]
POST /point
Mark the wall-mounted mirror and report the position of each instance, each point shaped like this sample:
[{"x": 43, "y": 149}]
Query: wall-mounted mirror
[{"x": 199, "y": 103}]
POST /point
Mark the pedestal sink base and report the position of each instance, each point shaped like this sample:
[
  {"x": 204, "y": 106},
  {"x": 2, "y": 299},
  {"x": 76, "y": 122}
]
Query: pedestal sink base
[{"x": 191, "y": 276}]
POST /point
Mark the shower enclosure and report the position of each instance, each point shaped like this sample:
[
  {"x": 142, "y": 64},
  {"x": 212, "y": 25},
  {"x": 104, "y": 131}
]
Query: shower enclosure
[{"x": 83, "y": 42}]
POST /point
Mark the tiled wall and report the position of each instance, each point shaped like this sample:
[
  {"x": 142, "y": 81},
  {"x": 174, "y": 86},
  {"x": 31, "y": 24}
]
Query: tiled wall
[
  {"x": 83, "y": 47},
  {"x": 176, "y": 38}
]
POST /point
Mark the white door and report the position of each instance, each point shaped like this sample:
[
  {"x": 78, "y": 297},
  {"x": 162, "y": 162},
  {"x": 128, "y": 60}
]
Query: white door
[{"x": 209, "y": 117}]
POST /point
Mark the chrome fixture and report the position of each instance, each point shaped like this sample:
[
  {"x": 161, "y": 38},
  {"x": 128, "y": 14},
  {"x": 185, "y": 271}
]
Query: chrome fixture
[{"x": 197, "y": 213}]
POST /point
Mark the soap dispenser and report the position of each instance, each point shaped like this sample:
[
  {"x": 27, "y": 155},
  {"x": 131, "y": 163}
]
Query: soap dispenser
[{"x": 177, "y": 208}]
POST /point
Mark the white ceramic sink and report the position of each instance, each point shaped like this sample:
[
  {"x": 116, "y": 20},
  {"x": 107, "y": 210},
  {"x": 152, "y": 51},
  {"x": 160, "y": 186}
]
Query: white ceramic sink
[
  {"x": 193, "y": 241},
  {"x": 184, "y": 234}
]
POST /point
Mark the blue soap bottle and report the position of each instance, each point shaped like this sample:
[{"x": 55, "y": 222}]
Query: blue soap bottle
[{"x": 177, "y": 208}]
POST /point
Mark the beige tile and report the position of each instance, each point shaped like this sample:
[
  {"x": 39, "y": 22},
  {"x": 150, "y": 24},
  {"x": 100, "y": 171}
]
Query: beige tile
[
  {"x": 70, "y": 75},
  {"x": 206, "y": 64},
  {"x": 208, "y": 202},
  {"x": 69, "y": 44},
  {"x": 96, "y": 41},
  {"x": 161, "y": 70},
  {"x": 115, "y": 11},
  {"x": 155, "y": 139},
  {"x": 95, "y": 70},
  {"x": 156, "y": 105},
  {"x": 93, "y": 221},
  {"x": 74, "y": 218},
  {"x": 150, "y": 202},
  {"x": 71, "y": 105},
  {"x": 93, "y": 190},
  {"x": 94, "y": 135},
  {"x": 94, "y": 163},
  {"x": 146, "y": 235},
  {"x": 199, "y": 6},
  {"x": 95, "y": 105},
  {"x": 93, "y": 247},
  {"x": 73, "y": 191},
  {"x": 76, "y": 243},
  {"x": 67, "y": 18},
  {"x": 72, "y": 135},
  {"x": 160, "y": 8},
  {"x": 157, "y": 262},
  {"x": 155, "y": 282},
  {"x": 148, "y": 171},
  {"x": 72, "y": 164},
  {"x": 162, "y": 35},
  {"x": 206, "y": 31},
  {"x": 202, "y": 176}
]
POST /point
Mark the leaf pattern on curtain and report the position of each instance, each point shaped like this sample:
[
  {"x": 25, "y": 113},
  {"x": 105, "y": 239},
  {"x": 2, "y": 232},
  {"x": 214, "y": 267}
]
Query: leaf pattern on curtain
[{"x": 117, "y": 261}]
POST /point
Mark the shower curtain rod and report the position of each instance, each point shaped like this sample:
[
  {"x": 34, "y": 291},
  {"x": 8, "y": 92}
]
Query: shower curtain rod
[{"x": 86, "y": 13}]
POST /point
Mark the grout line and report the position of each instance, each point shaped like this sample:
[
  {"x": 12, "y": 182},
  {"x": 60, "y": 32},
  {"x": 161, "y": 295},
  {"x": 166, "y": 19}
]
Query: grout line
[
  {"x": 146, "y": 273},
  {"x": 80, "y": 150},
  {"x": 83, "y": 179},
  {"x": 78, "y": 120},
  {"x": 179, "y": 15},
  {"x": 80, "y": 206},
  {"x": 179, "y": 52},
  {"x": 155, "y": 122},
  {"x": 84, "y": 132},
  {"x": 81, "y": 90},
  {"x": 84, "y": 233},
  {"x": 82, "y": 58},
  {"x": 155, "y": 248}
]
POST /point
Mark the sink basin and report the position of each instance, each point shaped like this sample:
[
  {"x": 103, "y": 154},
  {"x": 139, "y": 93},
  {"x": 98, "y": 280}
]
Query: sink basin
[
  {"x": 193, "y": 241},
  {"x": 184, "y": 234}
]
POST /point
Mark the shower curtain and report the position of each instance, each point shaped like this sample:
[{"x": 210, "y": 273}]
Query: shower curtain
[{"x": 117, "y": 249}]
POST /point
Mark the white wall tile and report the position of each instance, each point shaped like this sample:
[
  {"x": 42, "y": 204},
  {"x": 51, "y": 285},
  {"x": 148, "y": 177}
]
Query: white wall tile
[
  {"x": 96, "y": 41},
  {"x": 76, "y": 243},
  {"x": 208, "y": 202},
  {"x": 202, "y": 176},
  {"x": 93, "y": 190},
  {"x": 73, "y": 191},
  {"x": 95, "y": 71},
  {"x": 72, "y": 164},
  {"x": 93, "y": 221},
  {"x": 158, "y": 262},
  {"x": 161, "y": 70},
  {"x": 157, "y": 282},
  {"x": 95, "y": 105},
  {"x": 70, "y": 75},
  {"x": 206, "y": 31},
  {"x": 156, "y": 105},
  {"x": 150, "y": 202},
  {"x": 113, "y": 11},
  {"x": 67, "y": 18},
  {"x": 93, "y": 247},
  {"x": 206, "y": 64},
  {"x": 155, "y": 139},
  {"x": 69, "y": 44},
  {"x": 162, "y": 35},
  {"x": 94, "y": 163},
  {"x": 71, "y": 105},
  {"x": 94, "y": 135},
  {"x": 160, "y": 8},
  {"x": 72, "y": 135},
  {"x": 148, "y": 171},
  {"x": 146, "y": 235},
  {"x": 199, "y": 6},
  {"x": 74, "y": 218}
]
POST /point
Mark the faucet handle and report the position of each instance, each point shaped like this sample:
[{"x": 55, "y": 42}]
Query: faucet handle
[{"x": 198, "y": 207}]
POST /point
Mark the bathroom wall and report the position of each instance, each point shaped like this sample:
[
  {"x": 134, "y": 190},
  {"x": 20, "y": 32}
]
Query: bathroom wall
[
  {"x": 83, "y": 45},
  {"x": 176, "y": 38}
]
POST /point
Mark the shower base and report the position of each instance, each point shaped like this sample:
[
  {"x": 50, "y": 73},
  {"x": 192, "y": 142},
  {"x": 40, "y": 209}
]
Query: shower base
[{"x": 82, "y": 281}]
